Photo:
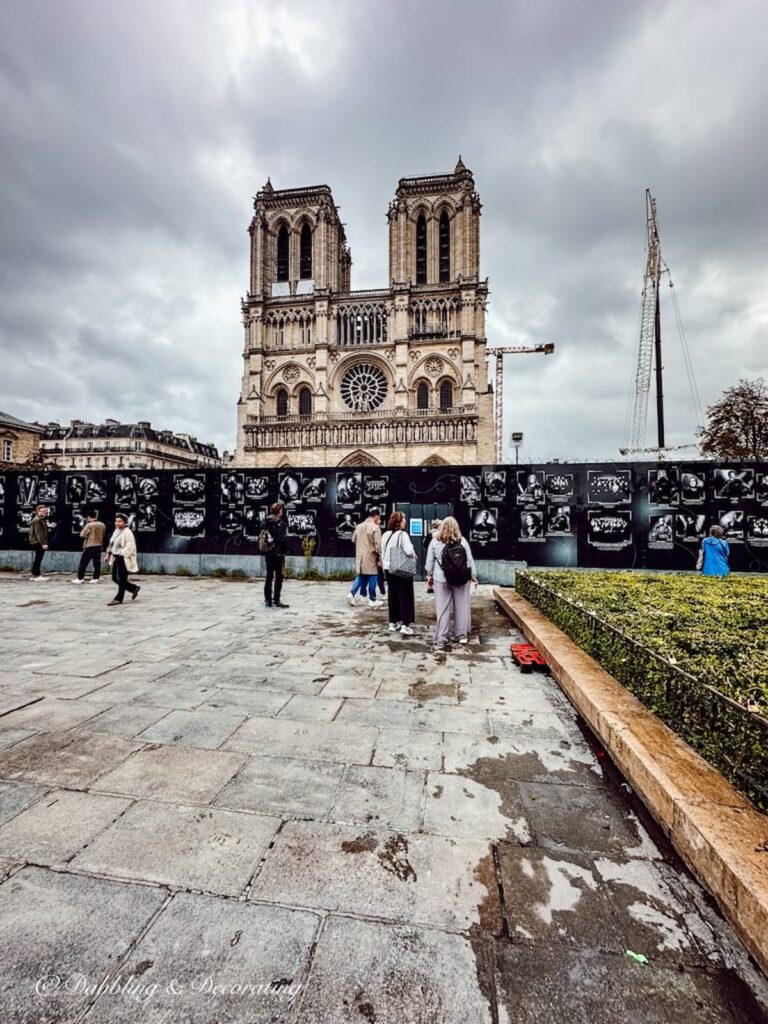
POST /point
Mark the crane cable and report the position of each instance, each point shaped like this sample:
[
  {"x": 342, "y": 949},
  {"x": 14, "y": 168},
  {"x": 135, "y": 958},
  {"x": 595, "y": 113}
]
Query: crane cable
[{"x": 689, "y": 369}]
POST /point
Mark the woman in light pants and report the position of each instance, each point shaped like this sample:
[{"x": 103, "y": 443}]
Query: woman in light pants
[{"x": 452, "y": 604}]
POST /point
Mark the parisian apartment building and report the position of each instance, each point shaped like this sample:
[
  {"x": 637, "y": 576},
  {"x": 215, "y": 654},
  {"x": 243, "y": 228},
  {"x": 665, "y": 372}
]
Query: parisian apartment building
[
  {"x": 116, "y": 445},
  {"x": 19, "y": 441}
]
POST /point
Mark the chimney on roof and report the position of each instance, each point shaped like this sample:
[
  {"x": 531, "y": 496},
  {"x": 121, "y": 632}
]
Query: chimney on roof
[
  {"x": 76, "y": 423},
  {"x": 111, "y": 423},
  {"x": 144, "y": 423}
]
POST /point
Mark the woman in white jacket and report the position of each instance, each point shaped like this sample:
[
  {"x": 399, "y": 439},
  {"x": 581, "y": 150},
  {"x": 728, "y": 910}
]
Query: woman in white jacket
[
  {"x": 399, "y": 588},
  {"x": 121, "y": 555}
]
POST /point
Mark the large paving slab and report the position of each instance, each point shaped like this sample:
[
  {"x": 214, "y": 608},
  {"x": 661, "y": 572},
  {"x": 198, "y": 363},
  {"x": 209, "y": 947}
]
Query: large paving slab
[
  {"x": 16, "y": 797},
  {"x": 347, "y": 742},
  {"x": 180, "y": 774},
  {"x": 214, "y": 850},
  {"x": 64, "y": 759},
  {"x": 209, "y": 959},
  {"x": 389, "y": 797},
  {"x": 365, "y": 971},
  {"x": 205, "y": 729},
  {"x": 56, "y": 928},
  {"x": 285, "y": 786},
  {"x": 416, "y": 879}
]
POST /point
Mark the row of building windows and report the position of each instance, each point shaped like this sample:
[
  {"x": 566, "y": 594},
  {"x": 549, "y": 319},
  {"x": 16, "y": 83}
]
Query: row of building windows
[
  {"x": 446, "y": 395},
  {"x": 284, "y": 251},
  {"x": 282, "y": 401}
]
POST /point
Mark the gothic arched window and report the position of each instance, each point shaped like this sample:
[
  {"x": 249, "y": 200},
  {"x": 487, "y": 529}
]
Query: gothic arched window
[
  {"x": 445, "y": 247},
  {"x": 422, "y": 395},
  {"x": 421, "y": 250},
  {"x": 305, "y": 402},
  {"x": 446, "y": 395},
  {"x": 281, "y": 402},
  {"x": 305, "y": 253},
  {"x": 282, "y": 254}
]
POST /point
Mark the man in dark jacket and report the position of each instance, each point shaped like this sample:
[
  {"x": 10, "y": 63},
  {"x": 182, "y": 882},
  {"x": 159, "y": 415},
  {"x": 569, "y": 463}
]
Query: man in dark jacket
[
  {"x": 275, "y": 526},
  {"x": 38, "y": 538}
]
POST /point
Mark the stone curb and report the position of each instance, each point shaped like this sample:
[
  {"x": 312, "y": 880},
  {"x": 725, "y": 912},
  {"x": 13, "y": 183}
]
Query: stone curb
[{"x": 721, "y": 837}]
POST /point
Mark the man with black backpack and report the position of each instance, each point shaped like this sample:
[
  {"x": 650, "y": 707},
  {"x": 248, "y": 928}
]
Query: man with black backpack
[
  {"x": 273, "y": 545},
  {"x": 451, "y": 572}
]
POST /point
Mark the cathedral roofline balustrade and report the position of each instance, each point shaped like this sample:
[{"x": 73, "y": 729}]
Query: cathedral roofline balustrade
[{"x": 374, "y": 415}]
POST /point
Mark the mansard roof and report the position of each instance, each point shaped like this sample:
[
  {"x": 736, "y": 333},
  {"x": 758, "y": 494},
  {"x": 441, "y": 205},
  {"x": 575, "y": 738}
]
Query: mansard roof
[{"x": 112, "y": 430}]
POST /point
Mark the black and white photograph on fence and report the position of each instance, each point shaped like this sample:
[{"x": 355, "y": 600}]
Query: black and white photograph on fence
[
  {"x": 232, "y": 489},
  {"x": 346, "y": 525},
  {"x": 302, "y": 524},
  {"x": 608, "y": 488},
  {"x": 661, "y": 531},
  {"x": 96, "y": 489},
  {"x": 125, "y": 490},
  {"x": 289, "y": 488},
  {"x": 484, "y": 529},
  {"x": 732, "y": 520},
  {"x": 24, "y": 517},
  {"x": 2, "y": 490},
  {"x": 349, "y": 490},
  {"x": 530, "y": 488},
  {"x": 558, "y": 521},
  {"x": 470, "y": 490},
  {"x": 189, "y": 522},
  {"x": 231, "y": 520},
  {"x": 256, "y": 488},
  {"x": 147, "y": 518},
  {"x": 148, "y": 488},
  {"x": 609, "y": 530},
  {"x": 48, "y": 490},
  {"x": 314, "y": 489},
  {"x": 559, "y": 487},
  {"x": 253, "y": 517},
  {"x": 757, "y": 531},
  {"x": 734, "y": 484},
  {"x": 376, "y": 488},
  {"x": 495, "y": 485},
  {"x": 690, "y": 526},
  {"x": 79, "y": 519},
  {"x": 663, "y": 486},
  {"x": 761, "y": 488},
  {"x": 692, "y": 488},
  {"x": 26, "y": 490},
  {"x": 75, "y": 490},
  {"x": 532, "y": 525},
  {"x": 188, "y": 489}
]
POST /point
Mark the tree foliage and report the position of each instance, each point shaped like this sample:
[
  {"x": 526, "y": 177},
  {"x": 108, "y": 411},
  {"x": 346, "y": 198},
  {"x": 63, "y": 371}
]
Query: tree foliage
[{"x": 737, "y": 425}]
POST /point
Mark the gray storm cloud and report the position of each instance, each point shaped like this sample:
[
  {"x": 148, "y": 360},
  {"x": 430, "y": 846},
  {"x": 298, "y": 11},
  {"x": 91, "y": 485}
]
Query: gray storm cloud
[{"x": 133, "y": 137}]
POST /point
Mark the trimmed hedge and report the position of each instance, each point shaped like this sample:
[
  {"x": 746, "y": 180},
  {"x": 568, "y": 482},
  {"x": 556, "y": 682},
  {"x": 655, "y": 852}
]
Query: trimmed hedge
[{"x": 693, "y": 649}]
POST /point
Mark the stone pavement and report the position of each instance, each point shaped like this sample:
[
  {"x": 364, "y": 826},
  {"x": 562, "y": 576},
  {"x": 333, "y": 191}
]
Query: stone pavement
[{"x": 213, "y": 812}]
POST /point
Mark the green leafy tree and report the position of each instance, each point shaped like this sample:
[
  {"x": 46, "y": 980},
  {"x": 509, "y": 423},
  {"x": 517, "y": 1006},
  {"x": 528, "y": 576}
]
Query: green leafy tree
[{"x": 737, "y": 425}]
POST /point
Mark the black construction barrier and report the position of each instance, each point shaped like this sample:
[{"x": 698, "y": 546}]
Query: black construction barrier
[{"x": 642, "y": 515}]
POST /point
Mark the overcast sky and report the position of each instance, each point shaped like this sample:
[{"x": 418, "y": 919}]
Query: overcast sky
[{"x": 134, "y": 136}]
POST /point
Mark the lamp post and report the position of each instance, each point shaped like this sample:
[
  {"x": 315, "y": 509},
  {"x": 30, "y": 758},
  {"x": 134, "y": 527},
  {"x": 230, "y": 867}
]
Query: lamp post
[{"x": 516, "y": 439}]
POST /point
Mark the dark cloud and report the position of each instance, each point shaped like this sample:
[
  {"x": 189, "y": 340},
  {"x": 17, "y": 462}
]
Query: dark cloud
[{"x": 134, "y": 136}]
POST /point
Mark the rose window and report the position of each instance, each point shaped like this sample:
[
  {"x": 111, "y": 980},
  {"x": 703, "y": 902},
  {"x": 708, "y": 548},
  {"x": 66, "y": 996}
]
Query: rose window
[{"x": 363, "y": 387}]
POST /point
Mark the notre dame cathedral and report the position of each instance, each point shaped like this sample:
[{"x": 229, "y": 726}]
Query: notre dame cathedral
[{"x": 392, "y": 376}]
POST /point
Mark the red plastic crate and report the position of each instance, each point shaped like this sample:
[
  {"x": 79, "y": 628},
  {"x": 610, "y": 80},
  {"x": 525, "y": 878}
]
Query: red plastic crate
[{"x": 527, "y": 658}]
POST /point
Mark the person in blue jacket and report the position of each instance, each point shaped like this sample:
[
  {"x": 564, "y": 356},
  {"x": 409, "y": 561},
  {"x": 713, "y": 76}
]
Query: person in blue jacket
[{"x": 715, "y": 553}]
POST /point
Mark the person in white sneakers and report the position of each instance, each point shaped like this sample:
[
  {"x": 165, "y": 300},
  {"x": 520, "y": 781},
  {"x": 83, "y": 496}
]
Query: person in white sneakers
[
  {"x": 367, "y": 538},
  {"x": 400, "y": 561},
  {"x": 93, "y": 544}
]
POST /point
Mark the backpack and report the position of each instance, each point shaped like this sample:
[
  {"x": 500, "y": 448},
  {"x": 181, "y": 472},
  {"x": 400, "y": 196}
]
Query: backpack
[
  {"x": 455, "y": 565},
  {"x": 266, "y": 540}
]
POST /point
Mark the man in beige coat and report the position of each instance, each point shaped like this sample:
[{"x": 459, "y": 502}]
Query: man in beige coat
[{"x": 367, "y": 539}]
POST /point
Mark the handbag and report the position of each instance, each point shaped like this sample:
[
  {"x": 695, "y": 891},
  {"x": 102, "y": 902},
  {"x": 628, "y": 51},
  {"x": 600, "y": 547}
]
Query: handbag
[{"x": 400, "y": 563}]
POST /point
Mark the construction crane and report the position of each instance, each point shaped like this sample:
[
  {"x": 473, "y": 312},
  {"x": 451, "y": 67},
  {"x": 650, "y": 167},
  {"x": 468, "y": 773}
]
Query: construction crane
[
  {"x": 509, "y": 350},
  {"x": 649, "y": 348}
]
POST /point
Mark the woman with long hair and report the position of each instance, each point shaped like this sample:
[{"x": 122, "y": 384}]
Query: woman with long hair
[
  {"x": 121, "y": 555},
  {"x": 399, "y": 561},
  {"x": 451, "y": 572}
]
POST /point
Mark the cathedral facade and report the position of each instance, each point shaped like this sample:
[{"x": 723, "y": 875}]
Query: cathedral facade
[{"x": 393, "y": 376}]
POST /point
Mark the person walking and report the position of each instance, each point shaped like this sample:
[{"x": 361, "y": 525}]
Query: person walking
[
  {"x": 274, "y": 554},
  {"x": 399, "y": 561},
  {"x": 367, "y": 540},
  {"x": 93, "y": 544},
  {"x": 121, "y": 555},
  {"x": 714, "y": 554},
  {"x": 38, "y": 539},
  {"x": 434, "y": 527},
  {"x": 451, "y": 572}
]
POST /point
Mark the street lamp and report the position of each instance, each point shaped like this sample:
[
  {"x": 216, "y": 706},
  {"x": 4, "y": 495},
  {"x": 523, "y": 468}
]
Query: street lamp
[{"x": 516, "y": 439}]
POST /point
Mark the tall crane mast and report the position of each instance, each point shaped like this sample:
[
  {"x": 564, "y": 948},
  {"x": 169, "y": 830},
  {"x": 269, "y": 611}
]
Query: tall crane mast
[
  {"x": 649, "y": 348},
  {"x": 509, "y": 350}
]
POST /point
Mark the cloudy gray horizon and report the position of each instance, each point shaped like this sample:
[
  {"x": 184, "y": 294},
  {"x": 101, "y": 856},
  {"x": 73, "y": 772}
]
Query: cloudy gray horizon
[{"x": 134, "y": 137}]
